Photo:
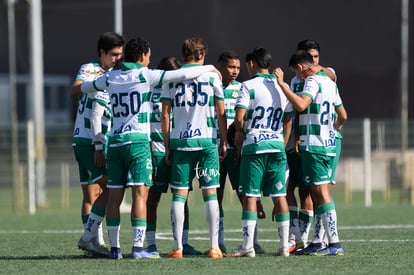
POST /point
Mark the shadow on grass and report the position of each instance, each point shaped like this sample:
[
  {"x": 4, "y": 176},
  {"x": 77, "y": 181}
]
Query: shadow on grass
[{"x": 50, "y": 257}]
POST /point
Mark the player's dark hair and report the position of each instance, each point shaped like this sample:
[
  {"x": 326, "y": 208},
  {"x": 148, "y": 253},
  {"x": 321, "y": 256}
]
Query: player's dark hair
[
  {"x": 109, "y": 40},
  {"x": 192, "y": 49},
  {"x": 226, "y": 56},
  {"x": 261, "y": 56},
  {"x": 169, "y": 63},
  {"x": 300, "y": 57},
  {"x": 135, "y": 48},
  {"x": 308, "y": 44}
]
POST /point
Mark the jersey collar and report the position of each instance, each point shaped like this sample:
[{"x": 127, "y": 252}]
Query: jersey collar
[{"x": 130, "y": 65}]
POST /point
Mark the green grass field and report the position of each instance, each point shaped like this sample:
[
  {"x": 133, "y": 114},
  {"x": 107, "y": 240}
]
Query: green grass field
[{"x": 376, "y": 240}]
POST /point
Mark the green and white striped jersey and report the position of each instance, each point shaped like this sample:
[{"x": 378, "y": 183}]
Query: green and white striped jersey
[
  {"x": 316, "y": 123},
  {"x": 130, "y": 92},
  {"x": 82, "y": 134},
  {"x": 193, "y": 111},
  {"x": 265, "y": 105},
  {"x": 157, "y": 140},
  {"x": 231, "y": 92}
]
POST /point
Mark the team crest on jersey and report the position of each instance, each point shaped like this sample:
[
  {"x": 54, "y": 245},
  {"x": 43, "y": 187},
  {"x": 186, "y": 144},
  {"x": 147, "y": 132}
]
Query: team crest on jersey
[
  {"x": 188, "y": 133},
  {"x": 235, "y": 94}
]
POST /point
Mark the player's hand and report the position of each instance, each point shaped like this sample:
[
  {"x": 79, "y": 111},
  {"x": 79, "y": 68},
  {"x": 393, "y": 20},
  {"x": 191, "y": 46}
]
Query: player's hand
[
  {"x": 222, "y": 151},
  {"x": 279, "y": 75},
  {"x": 99, "y": 159},
  {"x": 219, "y": 74},
  {"x": 238, "y": 143},
  {"x": 297, "y": 144},
  {"x": 168, "y": 156},
  {"x": 260, "y": 211}
]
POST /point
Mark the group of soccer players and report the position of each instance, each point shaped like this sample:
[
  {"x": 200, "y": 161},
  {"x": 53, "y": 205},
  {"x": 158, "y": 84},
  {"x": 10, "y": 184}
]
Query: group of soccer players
[{"x": 157, "y": 129}]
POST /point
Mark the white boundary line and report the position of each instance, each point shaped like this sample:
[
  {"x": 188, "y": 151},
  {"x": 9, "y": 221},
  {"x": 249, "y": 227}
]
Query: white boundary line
[{"x": 167, "y": 235}]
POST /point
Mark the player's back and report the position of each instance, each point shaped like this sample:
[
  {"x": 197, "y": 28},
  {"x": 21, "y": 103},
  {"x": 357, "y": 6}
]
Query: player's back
[
  {"x": 316, "y": 123},
  {"x": 130, "y": 92},
  {"x": 193, "y": 106}
]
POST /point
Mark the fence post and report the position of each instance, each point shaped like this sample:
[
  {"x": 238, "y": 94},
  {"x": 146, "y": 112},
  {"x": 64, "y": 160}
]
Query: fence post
[
  {"x": 367, "y": 161},
  {"x": 31, "y": 167}
]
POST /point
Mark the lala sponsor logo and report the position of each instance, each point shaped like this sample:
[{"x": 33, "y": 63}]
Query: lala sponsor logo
[
  {"x": 190, "y": 133},
  {"x": 331, "y": 141},
  {"x": 265, "y": 136},
  {"x": 124, "y": 128}
]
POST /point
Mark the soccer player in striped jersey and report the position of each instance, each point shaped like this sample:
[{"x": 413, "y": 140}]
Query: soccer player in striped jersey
[
  {"x": 129, "y": 154},
  {"x": 192, "y": 136},
  {"x": 229, "y": 67},
  {"x": 93, "y": 119},
  {"x": 317, "y": 104},
  {"x": 161, "y": 170},
  {"x": 300, "y": 221},
  {"x": 263, "y": 124}
]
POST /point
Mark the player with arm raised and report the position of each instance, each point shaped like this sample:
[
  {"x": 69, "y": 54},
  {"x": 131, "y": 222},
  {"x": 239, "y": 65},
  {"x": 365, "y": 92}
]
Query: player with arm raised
[
  {"x": 192, "y": 136},
  {"x": 129, "y": 154},
  {"x": 317, "y": 104},
  {"x": 93, "y": 119}
]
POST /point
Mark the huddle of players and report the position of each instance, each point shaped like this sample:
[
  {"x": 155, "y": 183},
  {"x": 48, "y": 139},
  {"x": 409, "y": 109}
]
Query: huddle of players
[{"x": 189, "y": 110}]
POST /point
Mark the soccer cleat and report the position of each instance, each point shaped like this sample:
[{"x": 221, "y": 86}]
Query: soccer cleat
[
  {"x": 329, "y": 251},
  {"x": 292, "y": 248},
  {"x": 215, "y": 253},
  {"x": 140, "y": 253},
  {"x": 258, "y": 249},
  {"x": 308, "y": 250},
  {"x": 176, "y": 254},
  {"x": 153, "y": 250},
  {"x": 240, "y": 252},
  {"x": 299, "y": 246},
  {"x": 283, "y": 252},
  {"x": 189, "y": 250},
  {"x": 223, "y": 249},
  {"x": 115, "y": 254},
  {"x": 93, "y": 247}
]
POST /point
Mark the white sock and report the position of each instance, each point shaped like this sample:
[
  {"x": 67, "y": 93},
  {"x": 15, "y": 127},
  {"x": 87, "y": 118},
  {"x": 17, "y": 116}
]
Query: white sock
[
  {"x": 177, "y": 222},
  {"x": 101, "y": 234},
  {"x": 318, "y": 230},
  {"x": 113, "y": 234},
  {"x": 256, "y": 233},
  {"x": 294, "y": 234},
  {"x": 92, "y": 227},
  {"x": 213, "y": 220},
  {"x": 304, "y": 227},
  {"x": 329, "y": 222},
  {"x": 283, "y": 229},
  {"x": 248, "y": 227},
  {"x": 138, "y": 236}
]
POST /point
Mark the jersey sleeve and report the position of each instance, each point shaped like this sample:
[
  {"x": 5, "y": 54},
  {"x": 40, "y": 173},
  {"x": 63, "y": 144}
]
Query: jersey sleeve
[
  {"x": 184, "y": 74},
  {"x": 310, "y": 88},
  {"x": 338, "y": 99},
  {"x": 218, "y": 87},
  {"x": 243, "y": 99},
  {"x": 99, "y": 84}
]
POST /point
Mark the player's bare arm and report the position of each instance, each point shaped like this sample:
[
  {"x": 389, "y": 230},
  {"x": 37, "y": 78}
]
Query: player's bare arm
[
  {"x": 299, "y": 102},
  {"x": 222, "y": 123},
  {"x": 165, "y": 127},
  {"x": 342, "y": 117}
]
